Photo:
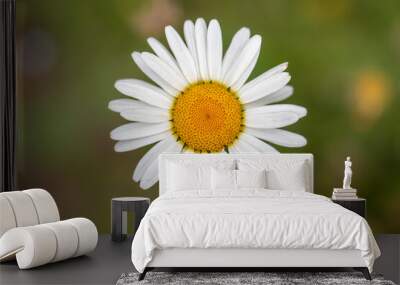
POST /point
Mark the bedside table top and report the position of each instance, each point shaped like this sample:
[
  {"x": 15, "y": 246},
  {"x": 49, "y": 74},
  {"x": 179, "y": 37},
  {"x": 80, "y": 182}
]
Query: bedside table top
[
  {"x": 130, "y": 199},
  {"x": 349, "y": 200}
]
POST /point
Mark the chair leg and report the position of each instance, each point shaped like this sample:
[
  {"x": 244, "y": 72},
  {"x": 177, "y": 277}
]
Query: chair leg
[
  {"x": 364, "y": 271},
  {"x": 143, "y": 274}
]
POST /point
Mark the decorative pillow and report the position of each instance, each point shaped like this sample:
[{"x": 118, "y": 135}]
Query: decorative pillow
[
  {"x": 281, "y": 174},
  {"x": 223, "y": 179},
  {"x": 182, "y": 178},
  {"x": 251, "y": 179}
]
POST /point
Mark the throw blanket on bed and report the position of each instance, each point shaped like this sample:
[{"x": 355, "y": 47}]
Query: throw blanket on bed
[{"x": 252, "y": 218}]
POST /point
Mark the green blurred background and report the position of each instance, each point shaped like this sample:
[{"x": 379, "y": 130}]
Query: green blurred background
[{"x": 344, "y": 58}]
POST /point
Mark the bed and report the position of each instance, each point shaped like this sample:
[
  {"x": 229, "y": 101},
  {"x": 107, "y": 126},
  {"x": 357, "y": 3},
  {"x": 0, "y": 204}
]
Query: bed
[{"x": 201, "y": 219}]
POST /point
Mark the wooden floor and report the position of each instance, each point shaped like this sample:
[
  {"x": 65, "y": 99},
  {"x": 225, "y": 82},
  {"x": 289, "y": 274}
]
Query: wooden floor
[{"x": 110, "y": 260}]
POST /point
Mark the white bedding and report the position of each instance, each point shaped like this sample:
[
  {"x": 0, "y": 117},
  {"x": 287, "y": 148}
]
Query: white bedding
[{"x": 251, "y": 218}]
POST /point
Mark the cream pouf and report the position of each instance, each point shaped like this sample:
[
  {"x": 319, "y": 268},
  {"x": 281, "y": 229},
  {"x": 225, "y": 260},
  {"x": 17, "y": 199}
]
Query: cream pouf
[{"x": 31, "y": 230}]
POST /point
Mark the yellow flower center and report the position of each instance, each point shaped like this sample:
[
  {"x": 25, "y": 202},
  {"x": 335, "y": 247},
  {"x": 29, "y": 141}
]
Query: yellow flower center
[{"x": 207, "y": 117}]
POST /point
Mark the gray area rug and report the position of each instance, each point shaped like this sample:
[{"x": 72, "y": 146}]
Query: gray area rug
[{"x": 232, "y": 278}]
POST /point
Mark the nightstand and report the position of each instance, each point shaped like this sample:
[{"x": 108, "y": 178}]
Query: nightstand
[
  {"x": 119, "y": 208},
  {"x": 358, "y": 206}
]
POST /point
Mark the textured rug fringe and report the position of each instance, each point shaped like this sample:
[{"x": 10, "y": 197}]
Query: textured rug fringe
[{"x": 244, "y": 278}]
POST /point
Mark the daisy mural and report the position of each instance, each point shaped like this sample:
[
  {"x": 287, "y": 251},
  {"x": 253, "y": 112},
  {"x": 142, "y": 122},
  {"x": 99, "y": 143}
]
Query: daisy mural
[{"x": 201, "y": 101}]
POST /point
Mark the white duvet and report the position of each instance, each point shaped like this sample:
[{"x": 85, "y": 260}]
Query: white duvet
[{"x": 252, "y": 218}]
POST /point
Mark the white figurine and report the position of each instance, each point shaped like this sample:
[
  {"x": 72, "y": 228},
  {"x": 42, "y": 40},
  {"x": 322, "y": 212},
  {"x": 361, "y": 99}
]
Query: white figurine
[{"x": 347, "y": 174}]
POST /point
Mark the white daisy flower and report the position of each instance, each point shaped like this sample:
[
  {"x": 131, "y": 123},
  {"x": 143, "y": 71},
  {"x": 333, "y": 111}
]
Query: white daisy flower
[{"x": 202, "y": 102}]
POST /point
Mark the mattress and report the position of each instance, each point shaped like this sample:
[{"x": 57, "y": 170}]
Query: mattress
[{"x": 250, "y": 219}]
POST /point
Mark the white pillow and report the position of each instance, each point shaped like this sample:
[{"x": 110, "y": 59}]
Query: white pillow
[
  {"x": 182, "y": 177},
  {"x": 187, "y": 174},
  {"x": 251, "y": 179},
  {"x": 281, "y": 174},
  {"x": 292, "y": 179},
  {"x": 223, "y": 179},
  {"x": 227, "y": 179}
]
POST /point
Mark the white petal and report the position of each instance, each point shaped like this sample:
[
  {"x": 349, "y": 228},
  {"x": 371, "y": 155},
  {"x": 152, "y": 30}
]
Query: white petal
[
  {"x": 165, "y": 71},
  {"x": 188, "y": 30},
  {"x": 152, "y": 155},
  {"x": 200, "y": 29},
  {"x": 138, "y": 130},
  {"x": 240, "y": 146},
  {"x": 259, "y": 145},
  {"x": 279, "y": 137},
  {"x": 162, "y": 52},
  {"x": 233, "y": 149},
  {"x": 129, "y": 145},
  {"x": 187, "y": 150},
  {"x": 277, "y": 96},
  {"x": 243, "y": 60},
  {"x": 236, "y": 46},
  {"x": 214, "y": 50},
  {"x": 150, "y": 176},
  {"x": 273, "y": 116},
  {"x": 264, "y": 88},
  {"x": 137, "y": 58},
  {"x": 147, "y": 115},
  {"x": 120, "y": 105},
  {"x": 144, "y": 91},
  {"x": 245, "y": 75},
  {"x": 182, "y": 54},
  {"x": 275, "y": 70},
  {"x": 298, "y": 110},
  {"x": 246, "y": 147}
]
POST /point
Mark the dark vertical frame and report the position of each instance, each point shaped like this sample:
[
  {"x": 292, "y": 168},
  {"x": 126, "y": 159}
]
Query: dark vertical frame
[{"x": 7, "y": 93}]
